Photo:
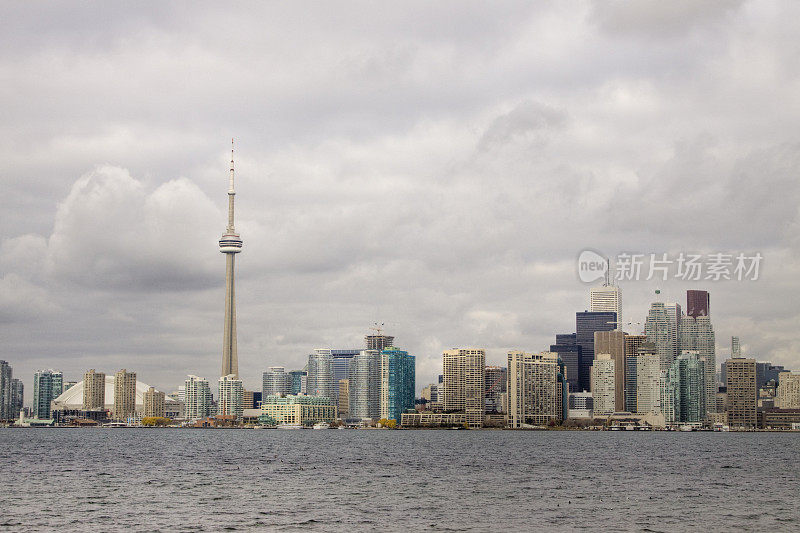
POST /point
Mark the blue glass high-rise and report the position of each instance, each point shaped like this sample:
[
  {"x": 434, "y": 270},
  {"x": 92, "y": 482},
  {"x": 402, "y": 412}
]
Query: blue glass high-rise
[{"x": 398, "y": 380}]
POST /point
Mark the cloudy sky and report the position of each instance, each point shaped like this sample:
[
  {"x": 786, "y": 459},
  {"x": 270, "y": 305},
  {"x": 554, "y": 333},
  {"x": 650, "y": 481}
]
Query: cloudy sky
[{"x": 434, "y": 167}]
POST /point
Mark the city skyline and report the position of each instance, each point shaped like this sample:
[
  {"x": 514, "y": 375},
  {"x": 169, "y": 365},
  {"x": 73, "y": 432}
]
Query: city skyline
[{"x": 393, "y": 171}]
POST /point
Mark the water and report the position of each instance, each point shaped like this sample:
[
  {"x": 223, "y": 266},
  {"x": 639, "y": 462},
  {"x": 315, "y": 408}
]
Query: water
[{"x": 212, "y": 480}]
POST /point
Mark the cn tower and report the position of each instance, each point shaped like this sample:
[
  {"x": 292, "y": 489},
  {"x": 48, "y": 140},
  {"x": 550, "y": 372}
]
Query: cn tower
[{"x": 230, "y": 244}]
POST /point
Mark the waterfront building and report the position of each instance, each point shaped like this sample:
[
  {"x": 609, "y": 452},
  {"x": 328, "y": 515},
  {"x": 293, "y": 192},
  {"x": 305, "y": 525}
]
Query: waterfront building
[
  {"x": 5, "y": 392},
  {"x": 154, "y": 403},
  {"x": 17, "y": 396},
  {"x": 230, "y": 244},
  {"x": 683, "y": 397},
  {"x": 581, "y": 405},
  {"x": 94, "y": 390},
  {"x": 397, "y": 382},
  {"x": 613, "y": 343},
  {"x": 364, "y": 385},
  {"x": 276, "y": 381},
  {"x": 463, "y": 383},
  {"x": 648, "y": 380},
  {"x": 344, "y": 398},
  {"x": 124, "y": 394},
  {"x": 198, "y": 398},
  {"x": 70, "y": 402},
  {"x": 495, "y": 381},
  {"x": 788, "y": 393},
  {"x": 47, "y": 385},
  {"x": 586, "y": 324},
  {"x": 535, "y": 394},
  {"x": 298, "y": 410},
  {"x": 604, "y": 384},
  {"x": 320, "y": 374},
  {"x": 661, "y": 328},
  {"x": 248, "y": 399},
  {"x": 698, "y": 303},
  {"x": 607, "y": 298},
  {"x": 697, "y": 335},
  {"x": 569, "y": 351},
  {"x": 742, "y": 392},
  {"x": 231, "y": 392},
  {"x": 299, "y": 382},
  {"x": 632, "y": 345},
  {"x": 433, "y": 419}
]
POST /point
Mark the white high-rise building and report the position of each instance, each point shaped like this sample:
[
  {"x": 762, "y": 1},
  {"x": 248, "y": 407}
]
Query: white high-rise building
[
  {"x": 231, "y": 396},
  {"x": 364, "y": 382},
  {"x": 230, "y": 244},
  {"x": 788, "y": 394},
  {"x": 606, "y": 298},
  {"x": 535, "y": 395},
  {"x": 736, "y": 348},
  {"x": 276, "y": 381},
  {"x": 320, "y": 380},
  {"x": 464, "y": 383},
  {"x": 603, "y": 384},
  {"x": 198, "y": 398},
  {"x": 648, "y": 383}
]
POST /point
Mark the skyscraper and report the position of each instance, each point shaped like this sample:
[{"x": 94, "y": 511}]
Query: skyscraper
[
  {"x": 47, "y": 386},
  {"x": 535, "y": 394},
  {"x": 648, "y": 380},
  {"x": 94, "y": 390},
  {"x": 736, "y": 348},
  {"x": 569, "y": 351},
  {"x": 613, "y": 343},
  {"x": 464, "y": 386},
  {"x": 398, "y": 381},
  {"x": 632, "y": 345},
  {"x": 378, "y": 342},
  {"x": 607, "y": 298},
  {"x": 231, "y": 396},
  {"x": 683, "y": 396},
  {"x": 197, "y": 398},
  {"x": 604, "y": 384},
  {"x": 662, "y": 330},
  {"x": 276, "y": 381},
  {"x": 299, "y": 381},
  {"x": 586, "y": 323},
  {"x": 496, "y": 382},
  {"x": 344, "y": 398},
  {"x": 697, "y": 335},
  {"x": 230, "y": 244},
  {"x": 364, "y": 385},
  {"x": 5, "y": 391},
  {"x": 698, "y": 303},
  {"x": 124, "y": 394},
  {"x": 320, "y": 381},
  {"x": 742, "y": 392},
  {"x": 788, "y": 393},
  {"x": 17, "y": 395}
]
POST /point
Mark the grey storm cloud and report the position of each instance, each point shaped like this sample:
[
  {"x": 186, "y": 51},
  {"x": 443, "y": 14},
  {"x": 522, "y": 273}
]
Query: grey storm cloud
[{"x": 436, "y": 168}]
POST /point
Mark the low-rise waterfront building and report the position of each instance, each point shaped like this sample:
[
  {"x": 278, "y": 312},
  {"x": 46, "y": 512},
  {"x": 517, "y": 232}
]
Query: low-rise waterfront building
[
  {"x": 431, "y": 419},
  {"x": 298, "y": 409}
]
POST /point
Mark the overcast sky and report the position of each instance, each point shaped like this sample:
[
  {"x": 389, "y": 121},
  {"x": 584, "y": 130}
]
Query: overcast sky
[{"x": 437, "y": 167}]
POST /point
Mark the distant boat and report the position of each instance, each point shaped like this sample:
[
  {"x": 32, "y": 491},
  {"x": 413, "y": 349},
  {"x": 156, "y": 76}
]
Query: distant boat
[{"x": 322, "y": 425}]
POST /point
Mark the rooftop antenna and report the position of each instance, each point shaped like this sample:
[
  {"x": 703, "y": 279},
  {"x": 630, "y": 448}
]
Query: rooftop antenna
[{"x": 608, "y": 272}]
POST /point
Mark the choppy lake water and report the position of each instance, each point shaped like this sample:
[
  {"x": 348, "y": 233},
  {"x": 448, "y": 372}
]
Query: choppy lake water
[{"x": 212, "y": 480}]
